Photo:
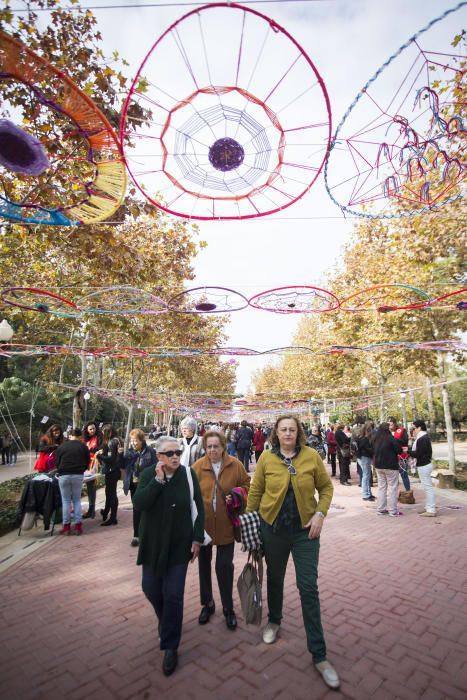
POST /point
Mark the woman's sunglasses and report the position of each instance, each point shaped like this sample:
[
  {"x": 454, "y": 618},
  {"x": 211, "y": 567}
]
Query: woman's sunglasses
[
  {"x": 171, "y": 453},
  {"x": 290, "y": 467}
]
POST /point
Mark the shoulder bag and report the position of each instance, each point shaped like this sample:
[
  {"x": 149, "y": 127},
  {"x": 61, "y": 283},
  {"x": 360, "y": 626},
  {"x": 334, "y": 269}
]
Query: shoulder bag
[{"x": 194, "y": 510}]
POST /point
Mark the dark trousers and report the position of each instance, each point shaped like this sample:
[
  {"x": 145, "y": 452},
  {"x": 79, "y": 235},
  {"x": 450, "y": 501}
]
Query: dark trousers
[
  {"x": 258, "y": 454},
  {"x": 344, "y": 468},
  {"x": 333, "y": 464},
  {"x": 165, "y": 593},
  {"x": 243, "y": 454},
  {"x": 305, "y": 554},
  {"x": 136, "y": 513},
  {"x": 111, "y": 500},
  {"x": 224, "y": 573},
  {"x": 91, "y": 491},
  {"x": 5, "y": 455}
]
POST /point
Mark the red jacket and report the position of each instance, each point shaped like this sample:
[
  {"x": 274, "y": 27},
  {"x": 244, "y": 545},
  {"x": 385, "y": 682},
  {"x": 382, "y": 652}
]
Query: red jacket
[
  {"x": 331, "y": 442},
  {"x": 258, "y": 441}
]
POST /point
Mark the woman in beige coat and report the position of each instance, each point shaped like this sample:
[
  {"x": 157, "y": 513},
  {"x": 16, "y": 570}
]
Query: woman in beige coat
[{"x": 218, "y": 473}]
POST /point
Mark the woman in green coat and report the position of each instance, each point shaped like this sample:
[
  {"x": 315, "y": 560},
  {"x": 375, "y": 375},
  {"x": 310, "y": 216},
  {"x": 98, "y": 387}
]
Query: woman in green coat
[{"x": 168, "y": 540}]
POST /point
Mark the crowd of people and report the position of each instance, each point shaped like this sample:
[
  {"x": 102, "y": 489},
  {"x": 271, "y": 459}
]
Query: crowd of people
[
  {"x": 9, "y": 447},
  {"x": 183, "y": 490}
]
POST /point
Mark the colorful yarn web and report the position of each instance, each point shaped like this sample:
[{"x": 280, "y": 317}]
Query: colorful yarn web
[
  {"x": 385, "y": 298},
  {"x": 32, "y": 299},
  {"x": 19, "y": 349},
  {"x": 121, "y": 300},
  {"x": 85, "y": 179},
  {"x": 400, "y": 147},
  {"x": 241, "y": 120},
  {"x": 208, "y": 300},
  {"x": 295, "y": 300}
]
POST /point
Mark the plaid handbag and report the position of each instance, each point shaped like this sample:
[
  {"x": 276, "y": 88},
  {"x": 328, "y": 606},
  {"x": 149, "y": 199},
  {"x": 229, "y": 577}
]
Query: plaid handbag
[{"x": 250, "y": 531}]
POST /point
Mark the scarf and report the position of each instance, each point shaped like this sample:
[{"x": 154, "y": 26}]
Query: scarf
[
  {"x": 186, "y": 444},
  {"x": 420, "y": 434}
]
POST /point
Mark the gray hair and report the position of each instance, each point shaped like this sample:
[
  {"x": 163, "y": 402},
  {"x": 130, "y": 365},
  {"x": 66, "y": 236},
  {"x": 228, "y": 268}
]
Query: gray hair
[
  {"x": 190, "y": 423},
  {"x": 162, "y": 440}
]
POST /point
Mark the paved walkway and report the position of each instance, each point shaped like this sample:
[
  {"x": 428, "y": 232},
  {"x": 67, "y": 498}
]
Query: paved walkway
[{"x": 74, "y": 623}]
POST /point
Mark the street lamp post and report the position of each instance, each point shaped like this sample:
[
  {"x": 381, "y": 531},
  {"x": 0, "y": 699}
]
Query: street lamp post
[
  {"x": 403, "y": 395},
  {"x": 365, "y": 384}
]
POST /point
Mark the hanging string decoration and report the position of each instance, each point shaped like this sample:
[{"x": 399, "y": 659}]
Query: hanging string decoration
[
  {"x": 241, "y": 119},
  {"x": 385, "y": 298},
  {"x": 399, "y": 150},
  {"x": 62, "y": 162},
  {"x": 295, "y": 300},
  {"x": 450, "y": 301},
  {"x": 208, "y": 300},
  {"x": 32, "y": 299},
  {"x": 122, "y": 300},
  {"x": 28, "y": 350}
]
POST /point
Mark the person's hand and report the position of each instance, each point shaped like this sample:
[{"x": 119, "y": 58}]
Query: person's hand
[
  {"x": 316, "y": 525},
  {"x": 195, "y": 547},
  {"x": 160, "y": 473},
  {"x": 228, "y": 499}
]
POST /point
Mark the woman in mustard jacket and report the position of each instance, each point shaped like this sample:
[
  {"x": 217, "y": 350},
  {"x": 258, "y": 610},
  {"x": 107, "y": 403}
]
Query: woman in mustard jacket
[
  {"x": 283, "y": 491},
  {"x": 218, "y": 473}
]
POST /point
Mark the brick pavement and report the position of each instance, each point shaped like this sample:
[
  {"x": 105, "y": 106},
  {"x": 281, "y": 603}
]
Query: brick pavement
[{"x": 75, "y": 624}]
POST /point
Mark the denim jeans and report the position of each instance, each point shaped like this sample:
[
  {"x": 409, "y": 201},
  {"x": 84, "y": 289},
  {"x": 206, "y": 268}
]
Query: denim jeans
[
  {"x": 231, "y": 449},
  {"x": 166, "y": 593},
  {"x": 70, "y": 488},
  {"x": 365, "y": 465},
  {"x": 425, "y": 479},
  {"x": 405, "y": 478},
  {"x": 305, "y": 553}
]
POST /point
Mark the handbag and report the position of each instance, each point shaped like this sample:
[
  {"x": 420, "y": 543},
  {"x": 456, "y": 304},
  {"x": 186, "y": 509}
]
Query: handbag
[
  {"x": 194, "y": 509},
  {"x": 250, "y": 531},
  {"x": 249, "y": 589}
]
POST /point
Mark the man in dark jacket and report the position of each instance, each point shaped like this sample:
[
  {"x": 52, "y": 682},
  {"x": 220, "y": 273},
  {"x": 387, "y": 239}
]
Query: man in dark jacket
[
  {"x": 71, "y": 460},
  {"x": 244, "y": 438},
  {"x": 343, "y": 454}
]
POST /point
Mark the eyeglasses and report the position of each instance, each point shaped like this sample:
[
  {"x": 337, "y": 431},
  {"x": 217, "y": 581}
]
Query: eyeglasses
[
  {"x": 171, "y": 453},
  {"x": 290, "y": 467},
  {"x": 214, "y": 447}
]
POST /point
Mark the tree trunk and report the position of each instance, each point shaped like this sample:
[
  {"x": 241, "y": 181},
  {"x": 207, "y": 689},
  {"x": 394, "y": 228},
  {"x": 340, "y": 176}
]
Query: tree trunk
[
  {"x": 129, "y": 425},
  {"x": 404, "y": 411},
  {"x": 381, "y": 399},
  {"x": 447, "y": 415},
  {"x": 413, "y": 405},
  {"x": 431, "y": 406}
]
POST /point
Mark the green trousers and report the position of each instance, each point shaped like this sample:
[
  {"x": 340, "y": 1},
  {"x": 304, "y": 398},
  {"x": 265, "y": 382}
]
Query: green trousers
[{"x": 305, "y": 554}]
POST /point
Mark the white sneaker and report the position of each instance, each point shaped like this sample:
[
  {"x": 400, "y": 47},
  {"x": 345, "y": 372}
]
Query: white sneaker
[
  {"x": 328, "y": 673},
  {"x": 270, "y": 633}
]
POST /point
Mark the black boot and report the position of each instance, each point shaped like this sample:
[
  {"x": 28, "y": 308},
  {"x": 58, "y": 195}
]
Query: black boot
[
  {"x": 91, "y": 513},
  {"x": 109, "y": 522},
  {"x": 230, "y": 619},
  {"x": 104, "y": 514},
  {"x": 170, "y": 661},
  {"x": 206, "y": 612}
]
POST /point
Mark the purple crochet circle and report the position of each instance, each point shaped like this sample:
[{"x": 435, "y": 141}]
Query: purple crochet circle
[{"x": 20, "y": 152}]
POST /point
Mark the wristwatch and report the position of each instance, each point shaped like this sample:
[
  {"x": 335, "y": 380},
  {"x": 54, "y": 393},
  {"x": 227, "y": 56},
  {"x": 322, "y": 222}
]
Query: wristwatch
[{"x": 321, "y": 515}]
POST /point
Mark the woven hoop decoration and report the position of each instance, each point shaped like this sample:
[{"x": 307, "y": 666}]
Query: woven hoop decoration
[
  {"x": 32, "y": 299},
  {"x": 121, "y": 300},
  {"x": 208, "y": 300},
  {"x": 300, "y": 299},
  {"x": 241, "y": 119},
  {"x": 77, "y": 132},
  {"x": 386, "y": 298},
  {"x": 398, "y": 150}
]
